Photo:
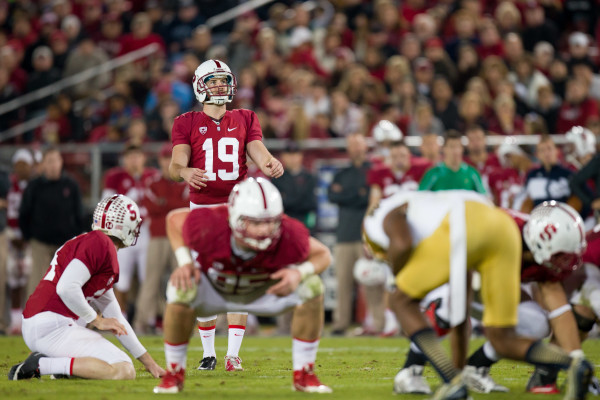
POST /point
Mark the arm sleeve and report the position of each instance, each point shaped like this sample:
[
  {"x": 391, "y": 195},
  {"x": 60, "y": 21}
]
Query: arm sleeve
[
  {"x": 254, "y": 129},
  {"x": 109, "y": 306},
  {"x": 180, "y": 133},
  {"x": 69, "y": 289},
  {"x": 578, "y": 181}
]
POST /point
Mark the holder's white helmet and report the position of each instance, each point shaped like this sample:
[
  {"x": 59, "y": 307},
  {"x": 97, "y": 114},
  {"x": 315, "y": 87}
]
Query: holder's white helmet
[
  {"x": 583, "y": 140},
  {"x": 255, "y": 200},
  {"x": 118, "y": 216},
  {"x": 213, "y": 69},
  {"x": 555, "y": 235},
  {"x": 385, "y": 130}
]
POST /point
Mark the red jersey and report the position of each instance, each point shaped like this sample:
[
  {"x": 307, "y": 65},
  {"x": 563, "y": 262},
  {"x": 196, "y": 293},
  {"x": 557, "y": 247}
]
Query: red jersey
[
  {"x": 97, "y": 252},
  {"x": 219, "y": 148},
  {"x": 162, "y": 196},
  {"x": 207, "y": 231},
  {"x": 592, "y": 252},
  {"x": 13, "y": 198},
  {"x": 119, "y": 181},
  {"x": 391, "y": 183},
  {"x": 506, "y": 184},
  {"x": 530, "y": 271}
]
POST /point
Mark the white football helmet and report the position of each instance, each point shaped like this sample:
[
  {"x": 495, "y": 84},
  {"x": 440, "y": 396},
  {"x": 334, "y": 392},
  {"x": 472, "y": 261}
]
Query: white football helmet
[
  {"x": 555, "y": 235},
  {"x": 118, "y": 216},
  {"x": 255, "y": 200},
  {"x": 205, "y": 72},
  {"x": 583, "y": 140},
  {"x": 385, "y": 130}
]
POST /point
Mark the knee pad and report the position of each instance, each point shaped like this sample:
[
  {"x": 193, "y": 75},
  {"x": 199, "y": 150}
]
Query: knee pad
[
  {"x": 584, "y": 324},
  {"x": 310, "y": 288},
  {"x": 533, "y": 321},
  {"x": 185, "y": 296}
]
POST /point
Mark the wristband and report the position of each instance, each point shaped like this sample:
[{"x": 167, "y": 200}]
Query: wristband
[
  {"x": 306, "y": 269},
  {"x": 183, "y": 256},
  {"x": 557, "y": 312}
]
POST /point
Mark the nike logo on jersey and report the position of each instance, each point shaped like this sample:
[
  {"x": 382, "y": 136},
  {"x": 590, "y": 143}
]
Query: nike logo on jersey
[{"x": 231, "y": 129}]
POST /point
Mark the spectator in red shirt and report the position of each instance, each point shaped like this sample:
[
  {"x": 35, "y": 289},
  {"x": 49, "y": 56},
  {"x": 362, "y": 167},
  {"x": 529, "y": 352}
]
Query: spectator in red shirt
[
  {"x": 505, "y": 120},
  {"x": 491, "y": 42},
  {"x": 141, "y": 35},
  {"x": 577, "y": 108},
  {"x": 162, "y": 196}
]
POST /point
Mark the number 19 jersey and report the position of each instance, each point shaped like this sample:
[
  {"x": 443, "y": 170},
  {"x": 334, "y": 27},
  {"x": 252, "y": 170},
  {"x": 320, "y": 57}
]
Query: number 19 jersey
[{"x": 219, "y": 148}]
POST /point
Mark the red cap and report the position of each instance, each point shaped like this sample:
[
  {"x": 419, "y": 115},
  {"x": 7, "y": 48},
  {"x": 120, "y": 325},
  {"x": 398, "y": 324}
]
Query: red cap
[{"x": 165, "y": 150}]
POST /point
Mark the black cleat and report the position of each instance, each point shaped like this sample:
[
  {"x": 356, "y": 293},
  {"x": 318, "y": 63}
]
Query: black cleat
[
  {"x": 208, "y": 364},
  {"x": 580, "y": 375},
  {"x": 28, "y": 369}
]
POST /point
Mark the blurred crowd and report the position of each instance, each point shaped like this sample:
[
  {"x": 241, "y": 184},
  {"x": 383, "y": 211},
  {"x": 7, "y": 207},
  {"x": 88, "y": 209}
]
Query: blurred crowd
[{"x": 313, "y": 69}]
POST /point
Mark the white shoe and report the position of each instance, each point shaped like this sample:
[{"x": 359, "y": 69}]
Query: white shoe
[
  {"x": 410, "y": 380},
  {"x": 480, "y": 381}
]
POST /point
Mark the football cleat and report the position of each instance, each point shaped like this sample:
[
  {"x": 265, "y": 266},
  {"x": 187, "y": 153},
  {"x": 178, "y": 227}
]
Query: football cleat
[
  {"x": 579, "y": 376},
  {"x": 30, "y": 368},
  {"x": 594, "y": 386},
  {"x": 233, "y": 363},
  {"x": 543, "y": 381},
  {"x": 172, "y": 381},
  {"x": 208, "y": 364},
  {"x": 410, "y": 380},
  {"x": 305, "y": 380},
  {"x": 478, "y": 379},
  {"x": 456, "y": 389}
]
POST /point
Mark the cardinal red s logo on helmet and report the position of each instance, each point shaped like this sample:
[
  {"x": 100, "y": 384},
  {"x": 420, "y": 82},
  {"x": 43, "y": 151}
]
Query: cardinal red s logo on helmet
[{"x": 549, "y": 230}]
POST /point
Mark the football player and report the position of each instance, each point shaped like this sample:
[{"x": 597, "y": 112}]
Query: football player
[
  {"x": 435, "y": 238},
  {"x": 209, "y": 153},
  {"x": 131, "y": 180},
  {"x": 248, "y": 256},
  {"x": 548, "y": 259},
  {"x": 78, "y": 282}
]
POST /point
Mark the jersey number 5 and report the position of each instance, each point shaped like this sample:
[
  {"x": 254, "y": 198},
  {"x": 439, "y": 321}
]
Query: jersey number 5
[{"x": 227, "y": 152}]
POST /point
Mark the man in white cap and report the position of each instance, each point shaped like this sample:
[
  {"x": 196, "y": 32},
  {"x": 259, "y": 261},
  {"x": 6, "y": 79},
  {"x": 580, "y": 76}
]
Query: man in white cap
[
  {"x": 579, "y": 48},
  {"x": 507, "y": 183},
  {"x": 18, "y": 263}
]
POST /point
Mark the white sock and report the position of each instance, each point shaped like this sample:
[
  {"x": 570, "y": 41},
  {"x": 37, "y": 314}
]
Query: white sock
[
  {"x": 15, "y": 317},
  {"x": 490, "y": 352},
  {"x": 176, "y": 354},
  {"x": 236, "y": 335},
  {"x": 207, "y": 335},
  {"x": 56, "y": 365},
  {"x": 304, "y": 352}
]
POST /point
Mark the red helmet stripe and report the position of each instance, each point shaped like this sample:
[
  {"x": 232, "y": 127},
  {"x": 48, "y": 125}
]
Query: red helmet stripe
[
  {"x": 574, "y": 217},
  {"x": 263, "y": 194},
  {"x": 218, "y": 63},
  {"x": 106, "y": 207}
]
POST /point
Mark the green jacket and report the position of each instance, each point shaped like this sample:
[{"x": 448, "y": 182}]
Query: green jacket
[{"x": 440, "y": 177}]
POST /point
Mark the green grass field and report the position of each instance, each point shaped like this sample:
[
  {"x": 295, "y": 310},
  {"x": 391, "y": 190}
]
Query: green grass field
[{"x": 356, "y": 368}]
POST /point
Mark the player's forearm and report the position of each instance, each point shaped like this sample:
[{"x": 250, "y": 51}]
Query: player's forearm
[
  {"x": 175, "y": 172},
  {"x": 258, "y": 153},
  {"x": 110, "y": 308}
]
